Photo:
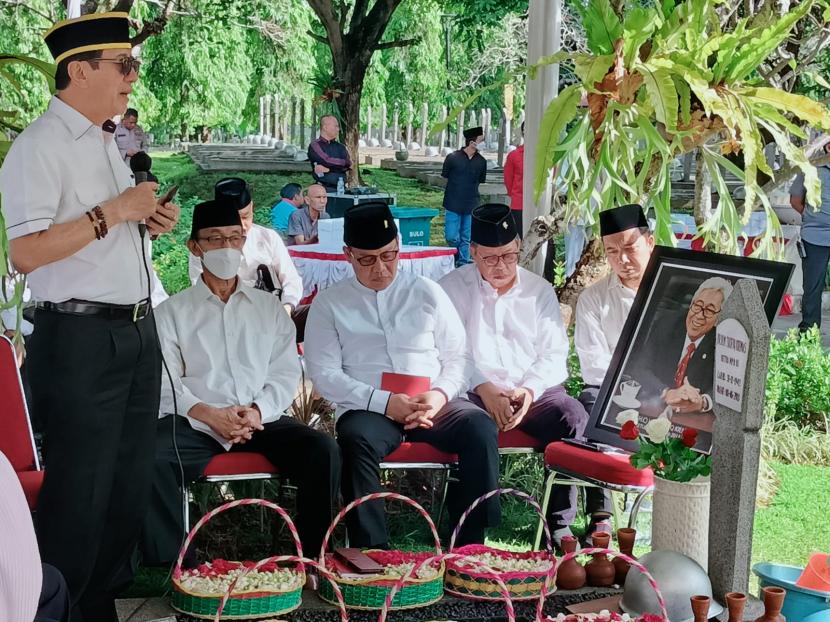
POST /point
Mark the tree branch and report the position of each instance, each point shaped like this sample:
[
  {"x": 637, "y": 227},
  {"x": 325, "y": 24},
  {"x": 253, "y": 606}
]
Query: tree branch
[
  {"x": 324, "y": 10},
  {"x": 317, "y": 37},
  {"x": 358, "y": 13},
  {"x": 372, "y": 28},
  {"x": 123, "y": 6},
  {"x": 401, "y": 43},
  {"x": 153, "y": 27},
  {"x": 20, "y": 5},
  {"x": 785, "y": 174}
]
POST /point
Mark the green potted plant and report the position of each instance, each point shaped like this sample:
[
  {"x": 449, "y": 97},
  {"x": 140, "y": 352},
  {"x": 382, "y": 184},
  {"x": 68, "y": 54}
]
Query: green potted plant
[{"x": 680, "y": 515}]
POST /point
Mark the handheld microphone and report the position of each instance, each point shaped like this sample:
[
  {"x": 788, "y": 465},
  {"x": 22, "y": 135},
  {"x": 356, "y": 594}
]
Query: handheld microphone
[
  {"x": 140, "y": 165},
  {"x": 263, "y": 279}
]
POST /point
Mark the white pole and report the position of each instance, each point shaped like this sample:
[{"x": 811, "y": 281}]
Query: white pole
[{"x": 544, "y": 38}]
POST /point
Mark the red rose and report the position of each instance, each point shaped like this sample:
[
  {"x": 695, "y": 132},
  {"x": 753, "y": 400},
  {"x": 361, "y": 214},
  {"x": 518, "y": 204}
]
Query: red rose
[
  {"x": 629, "y": 431},
  {"x": 689, "y": 437}
]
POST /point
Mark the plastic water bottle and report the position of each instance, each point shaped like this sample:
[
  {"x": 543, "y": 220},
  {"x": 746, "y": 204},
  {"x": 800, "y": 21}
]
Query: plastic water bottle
[{"x": 340, "y": 185}]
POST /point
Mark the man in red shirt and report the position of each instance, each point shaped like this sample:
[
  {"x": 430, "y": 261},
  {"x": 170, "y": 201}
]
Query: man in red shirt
[{"x": 514, "y": 173}]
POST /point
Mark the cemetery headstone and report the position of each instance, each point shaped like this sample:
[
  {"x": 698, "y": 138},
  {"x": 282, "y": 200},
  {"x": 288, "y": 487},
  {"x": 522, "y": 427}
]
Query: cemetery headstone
[{"x": 741, "y": 361}]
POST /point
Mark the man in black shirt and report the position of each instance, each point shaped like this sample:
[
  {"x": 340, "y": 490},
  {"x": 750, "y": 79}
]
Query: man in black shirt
[
  {"x": 464, "y": 170},
  {"x": 329, "y": 158}
]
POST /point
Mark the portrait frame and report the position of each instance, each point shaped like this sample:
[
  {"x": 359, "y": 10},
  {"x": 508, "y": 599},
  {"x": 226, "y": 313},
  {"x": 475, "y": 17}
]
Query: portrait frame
[{"x": 654, "y": 338}]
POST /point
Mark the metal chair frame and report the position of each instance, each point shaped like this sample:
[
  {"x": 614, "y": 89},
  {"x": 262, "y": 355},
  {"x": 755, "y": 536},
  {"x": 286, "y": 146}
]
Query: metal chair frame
[{"x": 572, "y": 478}]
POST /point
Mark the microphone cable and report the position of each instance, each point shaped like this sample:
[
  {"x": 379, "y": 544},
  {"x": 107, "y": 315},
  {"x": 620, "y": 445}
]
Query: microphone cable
[{"x": 152, "y": 314}]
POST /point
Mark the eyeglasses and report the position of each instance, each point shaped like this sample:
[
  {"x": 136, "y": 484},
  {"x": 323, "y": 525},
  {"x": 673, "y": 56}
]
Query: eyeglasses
[
  {"x": 128, "y": 64},
  {"x": 707, "y": 312},
  {"x": 236, "y": 241},
  {"x": 371, "y": 260},
  {"x": 509, "y": 259}
]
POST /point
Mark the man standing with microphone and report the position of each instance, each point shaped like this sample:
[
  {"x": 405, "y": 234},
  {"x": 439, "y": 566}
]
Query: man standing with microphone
[{"x": 72, "y": 215}]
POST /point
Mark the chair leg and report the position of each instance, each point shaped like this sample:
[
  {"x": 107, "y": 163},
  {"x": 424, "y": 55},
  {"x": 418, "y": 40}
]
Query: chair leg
[
  {"x": 545, "y": 503},
  {"x": 635, "y": 507},
  {"x": 186, "y": 508},
  {"x": 615, "y": 508},
  {"x": 444, "y": 488}
]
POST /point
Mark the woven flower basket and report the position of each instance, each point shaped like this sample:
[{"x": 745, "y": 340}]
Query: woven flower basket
[
  {"x": 247, "y": 603},
  {"x": 664, "y": 614},
  {"x": 450, "y": 558},
  {"x": 279, "y": 559},
  {"x": 523, "y": 573},
  {"x": 371, "y": 592}
]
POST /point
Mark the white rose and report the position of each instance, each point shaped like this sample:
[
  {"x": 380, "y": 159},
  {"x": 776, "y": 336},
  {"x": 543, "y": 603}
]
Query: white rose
[
  {"x": 658, "y": 429},
  {"x": 627, "y": 415}
]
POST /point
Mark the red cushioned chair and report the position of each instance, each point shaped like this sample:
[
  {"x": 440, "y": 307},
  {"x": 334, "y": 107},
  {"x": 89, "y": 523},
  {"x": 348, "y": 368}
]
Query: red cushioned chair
[
  {"x": 16, "y": 438},
  {"x": 517, "y": 442},
  {"x": 423, "y": 456},
  {"x": 583, "y": 467},
  {"x": 230, "y": 467}
]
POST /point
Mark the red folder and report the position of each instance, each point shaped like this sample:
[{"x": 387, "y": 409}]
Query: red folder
[{"x": 404, "y": 383}]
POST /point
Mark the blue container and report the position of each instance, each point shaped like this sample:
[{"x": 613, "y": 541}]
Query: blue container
[
  {"x": 414, "y": 224},
  {"x": 799, "y": 602}
]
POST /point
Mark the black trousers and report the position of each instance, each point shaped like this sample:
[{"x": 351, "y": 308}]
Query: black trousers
[
  {"x": 366, "y": 438},
  {"x": 597, "y": 500},
  {"x": 53, "y": 604},
  {"x": 814, "y": 269},
  {"x": 553, "y": 416},
  {"x": 95, "y": 385},
  {"x": 309, "y": 458}
]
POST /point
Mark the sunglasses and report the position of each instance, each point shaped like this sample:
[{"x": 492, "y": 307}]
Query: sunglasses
[{"x": 128, "y": 64}]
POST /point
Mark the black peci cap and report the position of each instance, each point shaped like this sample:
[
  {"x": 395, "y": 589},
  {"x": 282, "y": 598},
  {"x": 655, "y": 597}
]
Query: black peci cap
[
  {"x": 369, "y": 226},
  {"x": 89, "y": 33}
]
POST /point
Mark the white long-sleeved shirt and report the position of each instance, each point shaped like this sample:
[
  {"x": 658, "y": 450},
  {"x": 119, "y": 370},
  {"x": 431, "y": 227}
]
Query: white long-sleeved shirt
[
  {"x": 224, "y": 354},
  {"x": 263, "y": 246},
  {"x": 355, "y": 334},
  {"x": 601, "y": 311},
  {"x": 516, "y": 339}
]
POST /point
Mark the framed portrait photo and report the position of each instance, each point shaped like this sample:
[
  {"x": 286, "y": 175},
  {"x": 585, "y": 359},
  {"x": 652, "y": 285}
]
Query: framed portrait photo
[{"x": 664, "y": 360}]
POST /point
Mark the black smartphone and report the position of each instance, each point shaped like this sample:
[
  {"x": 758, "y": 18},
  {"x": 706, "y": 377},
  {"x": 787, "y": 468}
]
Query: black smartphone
[
  {"x": 169, "y": 195},
  {"x": 584, "y": 444}
]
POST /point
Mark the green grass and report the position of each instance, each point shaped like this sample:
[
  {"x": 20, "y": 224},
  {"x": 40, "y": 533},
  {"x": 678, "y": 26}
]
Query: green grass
[
  {"x": 169, "y": 253},
  {"x": 793, "y": 526}
]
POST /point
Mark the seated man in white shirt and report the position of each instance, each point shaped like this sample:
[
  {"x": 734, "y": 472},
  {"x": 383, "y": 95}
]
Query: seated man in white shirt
[
  {"x": 385, "y": 321},
  {"x": 517, "y": 342},
  {"x": 264, "y": 255},
  {"x": 233, "y": 360},
  {"x": 602, "y": 308}
]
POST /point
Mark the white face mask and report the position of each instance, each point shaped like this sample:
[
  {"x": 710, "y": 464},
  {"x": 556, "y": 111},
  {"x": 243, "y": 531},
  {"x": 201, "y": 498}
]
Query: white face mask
[{"x": 223, "y": 263}]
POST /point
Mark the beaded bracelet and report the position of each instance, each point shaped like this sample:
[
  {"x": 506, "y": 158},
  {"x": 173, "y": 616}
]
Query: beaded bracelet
[
  {"x": 98, "y": 235},
  {"x": 102, "y": 221}
]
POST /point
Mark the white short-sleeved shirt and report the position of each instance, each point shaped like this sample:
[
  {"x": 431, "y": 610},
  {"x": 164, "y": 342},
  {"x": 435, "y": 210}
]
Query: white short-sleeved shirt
[{"x": 60, "y": 167}]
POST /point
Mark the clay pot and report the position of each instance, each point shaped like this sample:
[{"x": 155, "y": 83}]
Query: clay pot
[
  {"x": 735, "y": 602},
  {"x": 773, "y": 601},
  {"x": 600, "y": 569},
  {"x": 571, "y": 574},
  {"x": 625, "y": 542},
  {"x": 700, "y": 608}
]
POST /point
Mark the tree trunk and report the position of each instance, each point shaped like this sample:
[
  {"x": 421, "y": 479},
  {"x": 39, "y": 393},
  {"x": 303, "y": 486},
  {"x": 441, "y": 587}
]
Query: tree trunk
[{"x": 349, "y": 104}]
